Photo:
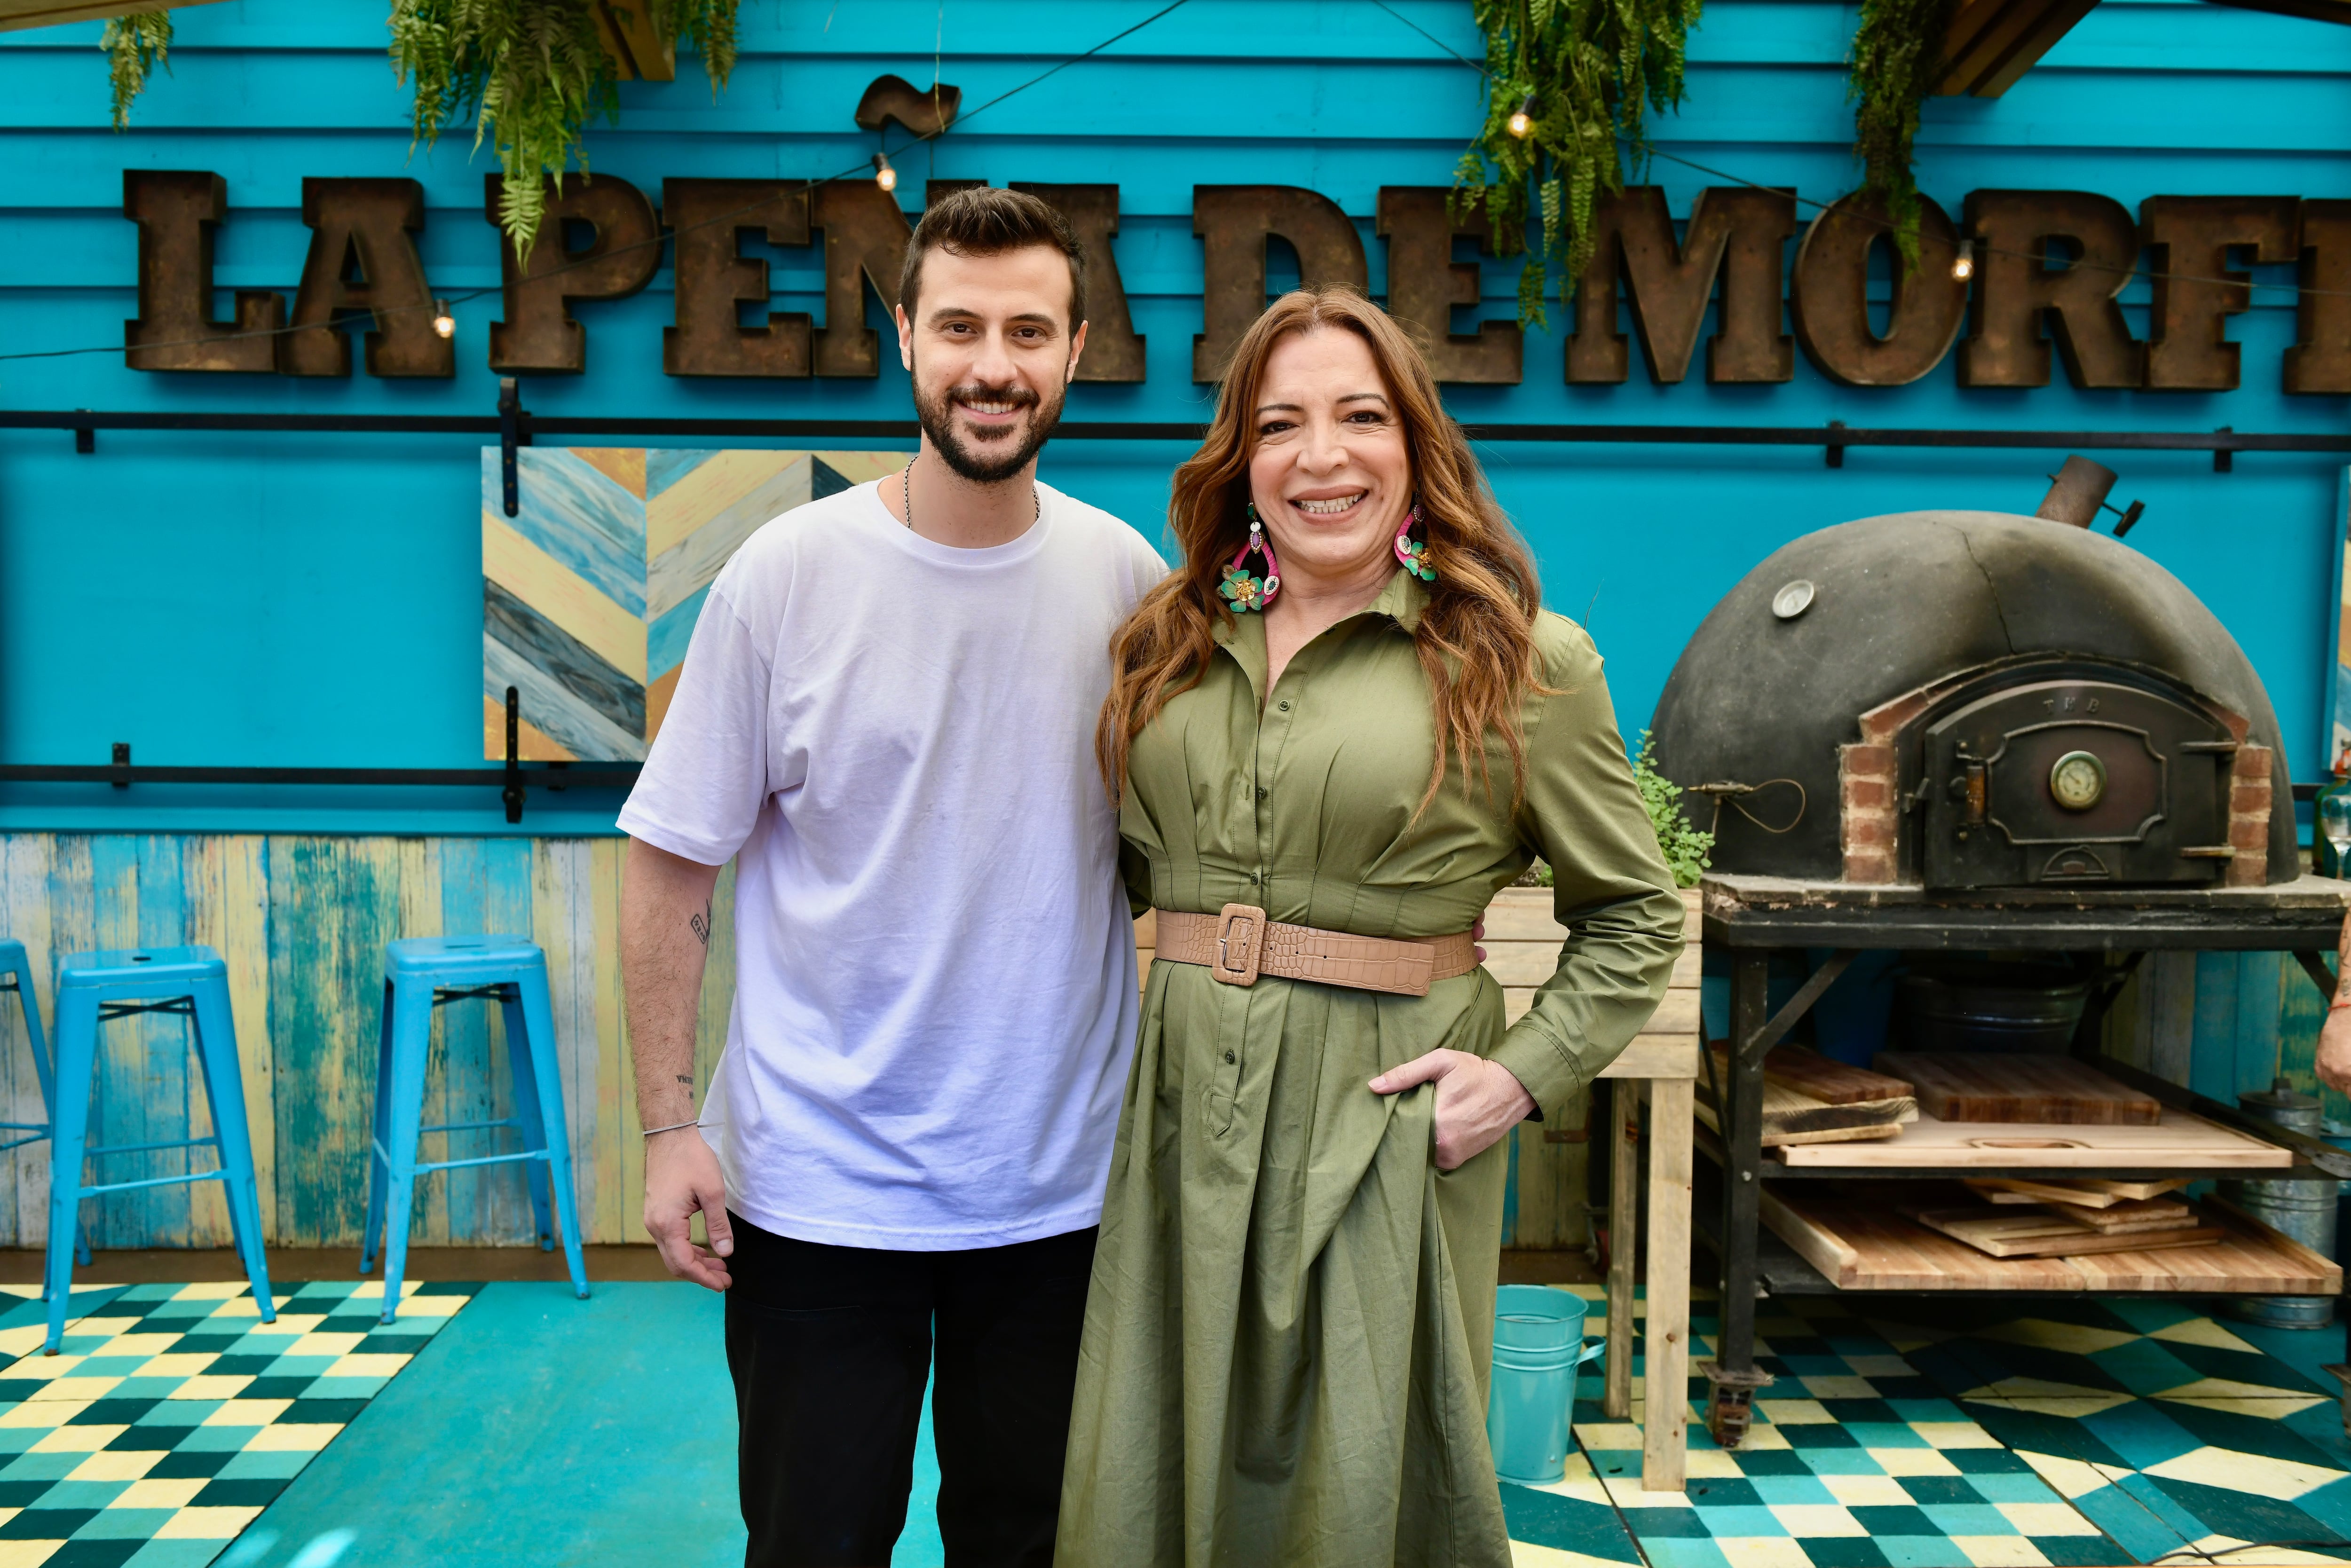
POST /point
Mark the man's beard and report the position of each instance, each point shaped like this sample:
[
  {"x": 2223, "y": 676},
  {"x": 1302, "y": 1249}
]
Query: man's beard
[{"x": 1005, "y": 454}]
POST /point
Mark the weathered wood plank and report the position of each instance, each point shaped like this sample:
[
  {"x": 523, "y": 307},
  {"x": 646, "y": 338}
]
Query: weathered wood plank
[
  {"x": 228, "y": 911},
  {"x": 25, "y": 1171},
  {"x": 333, "y": 905}
]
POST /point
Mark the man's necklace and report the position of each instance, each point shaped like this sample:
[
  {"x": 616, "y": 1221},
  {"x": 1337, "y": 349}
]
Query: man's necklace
[{"x": 907, "y": 495}]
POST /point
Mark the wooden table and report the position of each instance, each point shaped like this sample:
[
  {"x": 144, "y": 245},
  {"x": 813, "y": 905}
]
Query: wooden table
[{"x": 1522, "y": 943}]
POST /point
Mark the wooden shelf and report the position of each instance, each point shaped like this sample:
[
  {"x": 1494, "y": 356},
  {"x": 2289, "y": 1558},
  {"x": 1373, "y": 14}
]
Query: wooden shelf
[{"x": 1863, "y": 1246}]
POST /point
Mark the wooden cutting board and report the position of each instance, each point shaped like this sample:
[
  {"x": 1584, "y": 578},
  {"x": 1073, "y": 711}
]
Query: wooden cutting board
[
  {"x": 2003, "y": 1233},
  {"x": 2146, "y": 1214},
  {"x": 2086, "y": 1192},
  {"x": 1999, "y": 1086},
  {"x": 2178, "y": 1141},
  {"x": 1790, "y": 1117},
  {"x": 1831, "y": 1082}
]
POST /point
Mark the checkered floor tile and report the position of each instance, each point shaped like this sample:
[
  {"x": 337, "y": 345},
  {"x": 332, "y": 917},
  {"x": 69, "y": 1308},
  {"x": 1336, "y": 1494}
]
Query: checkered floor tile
[
  {"x": 1913, "y": 1433},
  {"x": 173, "y": 1415}
]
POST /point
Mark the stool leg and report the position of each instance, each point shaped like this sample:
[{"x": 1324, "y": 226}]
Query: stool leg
[
  {"x": 539, "y": 1027},
  {"x": 31, "y": 1007},
  {"x": 381, "y": 1134},
  {"x": 215, "y": 1027},
  {"x": 529, "y": 1123},
  {"x": 411, "y": 1042},
  {"x": 43, "y": 1066},
  {"x": 78, "y": 1047}
]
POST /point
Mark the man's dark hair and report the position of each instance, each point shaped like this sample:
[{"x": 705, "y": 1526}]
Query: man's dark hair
[{"x": 986, "y": 221}]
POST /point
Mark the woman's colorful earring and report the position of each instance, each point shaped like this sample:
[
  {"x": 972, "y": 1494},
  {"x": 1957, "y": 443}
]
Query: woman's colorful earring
[
  {"x": 1242, "y": 588},
  {"x": 1412, "y": 554}
]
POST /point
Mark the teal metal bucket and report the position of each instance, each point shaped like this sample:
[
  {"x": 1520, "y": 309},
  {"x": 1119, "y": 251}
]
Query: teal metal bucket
[{"x": 1538, "y": 1345}]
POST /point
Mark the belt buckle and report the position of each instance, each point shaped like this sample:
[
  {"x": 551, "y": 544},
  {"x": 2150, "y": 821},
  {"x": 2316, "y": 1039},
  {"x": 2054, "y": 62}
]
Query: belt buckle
[{"x": 1240, "y": 944}]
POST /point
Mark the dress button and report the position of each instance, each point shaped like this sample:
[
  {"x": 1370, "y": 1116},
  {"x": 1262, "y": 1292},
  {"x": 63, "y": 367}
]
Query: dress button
[
  {"x": 1228, "y": 1059},
  {"x": 1284, "y": 706},
  {"x": 1261, "y": 794},
  {"x": 1252, "y": 879}
]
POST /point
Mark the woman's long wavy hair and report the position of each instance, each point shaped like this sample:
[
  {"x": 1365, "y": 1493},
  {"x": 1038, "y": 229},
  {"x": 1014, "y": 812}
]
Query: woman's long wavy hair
[{"x": 1476, "y": 639}]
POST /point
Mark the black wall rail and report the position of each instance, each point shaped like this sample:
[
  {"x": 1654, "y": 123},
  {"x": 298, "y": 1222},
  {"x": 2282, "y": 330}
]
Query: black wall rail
[{"x": 514, "y": 426}]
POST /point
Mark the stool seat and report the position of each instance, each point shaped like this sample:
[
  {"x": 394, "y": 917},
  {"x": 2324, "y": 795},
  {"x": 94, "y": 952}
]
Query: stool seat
[
  {"x": 135, "y": 967},
  {"x": 459, "y": 959},
  {"x": 420, "y": 974}
]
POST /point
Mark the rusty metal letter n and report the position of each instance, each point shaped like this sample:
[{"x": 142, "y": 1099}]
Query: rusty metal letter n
[
  {"x": 177, "y": 212},
  {"x": 622, "y": 253}
]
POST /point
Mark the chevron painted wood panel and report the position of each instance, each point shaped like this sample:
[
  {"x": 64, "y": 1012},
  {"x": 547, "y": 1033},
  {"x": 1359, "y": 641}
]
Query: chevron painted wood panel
[{"x": 589, "y": 594}]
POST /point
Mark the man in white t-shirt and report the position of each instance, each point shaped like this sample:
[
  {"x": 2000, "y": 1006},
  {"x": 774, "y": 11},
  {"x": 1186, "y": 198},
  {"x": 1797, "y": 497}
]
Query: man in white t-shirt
[{"x": 886, "y": 720}]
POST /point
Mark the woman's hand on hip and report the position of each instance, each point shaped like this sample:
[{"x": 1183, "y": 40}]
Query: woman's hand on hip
[{"x": 1477, "y": 1101}]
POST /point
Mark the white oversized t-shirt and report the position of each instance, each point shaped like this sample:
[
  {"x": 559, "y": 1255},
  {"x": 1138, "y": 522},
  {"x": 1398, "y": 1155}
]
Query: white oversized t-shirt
[{"x": 934, "y": 993}]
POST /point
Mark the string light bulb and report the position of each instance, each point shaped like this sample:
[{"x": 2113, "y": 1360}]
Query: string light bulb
[
  {"x": 443, "y": 322},
  {"x": 883, "y": 175},
  {"x": 1521, "y": 124},
  {"x": 1963, "y": 266}
]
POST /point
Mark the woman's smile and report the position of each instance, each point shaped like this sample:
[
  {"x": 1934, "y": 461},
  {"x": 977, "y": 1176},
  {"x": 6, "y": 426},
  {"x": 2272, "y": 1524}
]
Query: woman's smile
[{"x": 1337, "y": 505}]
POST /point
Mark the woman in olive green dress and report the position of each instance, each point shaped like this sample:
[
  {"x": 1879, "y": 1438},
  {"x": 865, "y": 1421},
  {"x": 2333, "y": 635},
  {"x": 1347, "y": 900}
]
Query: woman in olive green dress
[{"x": 1342, "y": 712}]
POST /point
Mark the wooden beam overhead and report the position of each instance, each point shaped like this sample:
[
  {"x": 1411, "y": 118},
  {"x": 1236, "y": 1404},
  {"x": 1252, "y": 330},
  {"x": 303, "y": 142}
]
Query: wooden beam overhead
[{"x": 1993, "y": 42}]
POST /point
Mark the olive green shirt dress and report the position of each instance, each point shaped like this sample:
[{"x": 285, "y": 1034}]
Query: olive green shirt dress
[{"x": 1291, "y": 1315}]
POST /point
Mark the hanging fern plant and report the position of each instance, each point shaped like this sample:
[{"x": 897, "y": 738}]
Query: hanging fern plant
[
  {"x": 135, "y": 45},
  {"x": 1569, "y": 87},
  {"x": 530, "y": 75},
  {"x": 1897, "y": 58}
]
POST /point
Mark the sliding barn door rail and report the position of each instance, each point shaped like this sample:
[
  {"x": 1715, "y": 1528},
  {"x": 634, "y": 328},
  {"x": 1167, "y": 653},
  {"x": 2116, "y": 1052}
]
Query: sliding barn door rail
[{"x": 515, "y": 427}]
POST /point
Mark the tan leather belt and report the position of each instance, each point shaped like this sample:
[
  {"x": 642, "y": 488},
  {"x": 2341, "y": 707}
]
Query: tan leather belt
[{"x": 1239, "y": 943}]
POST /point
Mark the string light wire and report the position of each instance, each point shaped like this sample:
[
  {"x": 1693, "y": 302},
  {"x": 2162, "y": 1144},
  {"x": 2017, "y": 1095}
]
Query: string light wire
[
  {"x": 440, "y": 305},
  {"x": 1974, "y": 249}
]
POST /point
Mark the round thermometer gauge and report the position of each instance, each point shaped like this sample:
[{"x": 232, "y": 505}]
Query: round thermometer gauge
[{"x": 2078, "y": 780}]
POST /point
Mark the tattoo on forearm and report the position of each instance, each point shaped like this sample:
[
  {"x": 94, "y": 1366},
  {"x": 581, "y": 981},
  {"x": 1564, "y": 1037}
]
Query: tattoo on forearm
[
  {"x": 687, "y": 1079},
  {"x": 701, "y": 925}
]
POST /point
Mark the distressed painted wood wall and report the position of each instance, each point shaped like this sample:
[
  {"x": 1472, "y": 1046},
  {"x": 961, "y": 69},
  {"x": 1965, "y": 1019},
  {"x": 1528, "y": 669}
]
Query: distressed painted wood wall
[
  {"x": 2223, "y": 1023},
  {"x": 302, "y": 921}
]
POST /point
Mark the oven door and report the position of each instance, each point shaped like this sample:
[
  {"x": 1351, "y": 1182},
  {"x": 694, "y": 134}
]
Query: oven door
[{"x": 2073, "y": 781}]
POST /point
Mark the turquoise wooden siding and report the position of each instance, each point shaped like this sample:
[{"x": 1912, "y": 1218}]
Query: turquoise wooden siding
[
  {"x": 324, "y": 592},
  {"x": 301, "y": 922}
]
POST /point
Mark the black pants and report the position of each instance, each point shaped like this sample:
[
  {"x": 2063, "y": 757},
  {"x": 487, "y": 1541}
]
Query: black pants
[{"x": 830, "y": 1347}]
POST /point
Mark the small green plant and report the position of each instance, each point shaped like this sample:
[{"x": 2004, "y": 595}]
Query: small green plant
[
  {"x": 1570, "y": 84},
  {"x": 1686, "y": 850},
  {"x": 530, "y": 75},
  {"x": 135, "y": 44},
  {"x": 1897, "y": 55}
]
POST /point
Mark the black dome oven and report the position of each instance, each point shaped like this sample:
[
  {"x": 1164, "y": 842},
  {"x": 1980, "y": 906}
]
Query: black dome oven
[{"x": 1976, "y": 700}]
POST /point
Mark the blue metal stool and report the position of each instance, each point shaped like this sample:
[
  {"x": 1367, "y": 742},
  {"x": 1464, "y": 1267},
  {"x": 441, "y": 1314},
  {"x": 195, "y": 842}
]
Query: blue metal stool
[
  {"x": 16, "y": 974},
  {"x": 420, "y": 973},
  {"x": 92, "y": 989}
]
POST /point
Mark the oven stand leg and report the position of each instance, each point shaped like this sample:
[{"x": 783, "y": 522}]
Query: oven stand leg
[{"x": 1733, "y": 1372}]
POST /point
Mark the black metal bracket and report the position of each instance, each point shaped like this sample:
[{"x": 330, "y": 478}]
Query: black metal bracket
[
  {"x": 514, "y": 430},
  {"x": 1836, "y": 448},
  {"x": 512, "y": 794},
  {"x": 2314, "y": 966},
  {"x": 1814, "y": 986},
  {"x": 121, "y": 769},
  {"x": 85, "y": 435},
  {"x": 2224, "y": 459}
]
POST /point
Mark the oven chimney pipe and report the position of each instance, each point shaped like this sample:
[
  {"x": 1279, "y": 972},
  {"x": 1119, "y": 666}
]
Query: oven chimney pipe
[{"x": 2078, "y": 490}]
